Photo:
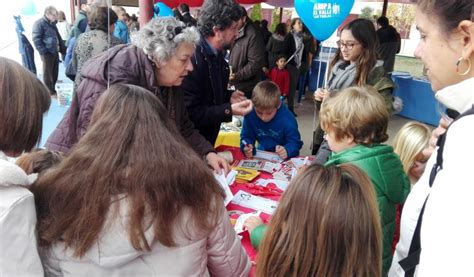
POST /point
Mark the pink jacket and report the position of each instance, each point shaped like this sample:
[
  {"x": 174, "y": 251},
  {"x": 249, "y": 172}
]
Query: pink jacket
[{"x": 218, "y": 253}]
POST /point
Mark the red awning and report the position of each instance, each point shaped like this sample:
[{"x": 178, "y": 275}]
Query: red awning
[{"x": 198, "y": 3}]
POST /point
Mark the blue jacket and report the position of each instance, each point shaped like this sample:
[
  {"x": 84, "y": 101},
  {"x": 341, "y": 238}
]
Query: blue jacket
[
  {"x": 281, "y": 130},
  {"x": 45, "y": 37},
  {"x": 121, "y": 31}
]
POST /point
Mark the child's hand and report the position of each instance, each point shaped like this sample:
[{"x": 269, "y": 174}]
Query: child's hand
[
  {"x": 252, "y": 222},
  {"x": 281, "y": 151},
  {"x": 248, "y": 151},
  {"x": 265, "y": 70},
  {"x": 444, "y": 122}
]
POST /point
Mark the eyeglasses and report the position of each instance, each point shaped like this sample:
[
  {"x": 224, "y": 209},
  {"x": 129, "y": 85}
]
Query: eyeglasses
[{"x": 348, "y": 45}]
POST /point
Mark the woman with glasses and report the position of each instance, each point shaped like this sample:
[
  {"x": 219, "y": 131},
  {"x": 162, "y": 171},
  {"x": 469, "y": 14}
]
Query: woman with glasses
[{"x": 355, "y": 64}]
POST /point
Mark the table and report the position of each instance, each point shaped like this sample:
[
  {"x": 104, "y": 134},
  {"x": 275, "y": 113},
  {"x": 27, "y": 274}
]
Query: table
[
  {"x": 229, "y": 138},
  {"x": 247, "y": 187},
  {"x": 418, "y": 98}
]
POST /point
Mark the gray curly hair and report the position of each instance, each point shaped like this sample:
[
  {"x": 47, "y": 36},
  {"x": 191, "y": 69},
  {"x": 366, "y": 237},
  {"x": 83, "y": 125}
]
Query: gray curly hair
[{"x": 160, "y": 38}]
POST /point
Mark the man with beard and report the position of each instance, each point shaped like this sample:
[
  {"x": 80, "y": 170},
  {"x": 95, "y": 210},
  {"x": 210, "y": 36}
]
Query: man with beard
[{"x": 207, "y": 98}]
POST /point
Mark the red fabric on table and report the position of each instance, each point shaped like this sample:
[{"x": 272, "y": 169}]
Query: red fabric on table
[
  {"x": 236, "y": 153},
  {"x": 270, "y": 192}
]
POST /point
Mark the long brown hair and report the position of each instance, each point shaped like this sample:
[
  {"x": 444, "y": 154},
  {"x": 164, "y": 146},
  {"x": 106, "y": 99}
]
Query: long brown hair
[
  {"x": 327, "y": 224},
  {"x": 130, "y": 149},
  {"x": 23, "y": 101},
  {"x": 363, "y": 31}
]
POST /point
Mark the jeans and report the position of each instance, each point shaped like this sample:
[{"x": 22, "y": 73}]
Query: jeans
[{"x": 302, "y": 81}]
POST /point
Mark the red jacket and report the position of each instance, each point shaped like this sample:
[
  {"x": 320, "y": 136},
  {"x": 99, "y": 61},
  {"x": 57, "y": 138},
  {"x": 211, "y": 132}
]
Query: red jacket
[{"x": 282, "y": 78}]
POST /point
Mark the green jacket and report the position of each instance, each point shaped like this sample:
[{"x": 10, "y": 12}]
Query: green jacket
[
  {"x": 383, "y": 84},
  {"x": 390, "y": 182}
]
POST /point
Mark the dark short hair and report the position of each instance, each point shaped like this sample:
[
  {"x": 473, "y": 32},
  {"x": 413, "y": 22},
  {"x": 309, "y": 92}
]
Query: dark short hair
[
  {"x": 383, "y": 21},
  {"x": 100, "y": 18},
  {"x": 280, "y": 56},
  {"x": 183, "y": 7},
  {"x": 218, "y": 13},
  {"x": 23, "y": 101},
  {"x": 280, "y": 29},
  {"x": 264, "y": 23}
]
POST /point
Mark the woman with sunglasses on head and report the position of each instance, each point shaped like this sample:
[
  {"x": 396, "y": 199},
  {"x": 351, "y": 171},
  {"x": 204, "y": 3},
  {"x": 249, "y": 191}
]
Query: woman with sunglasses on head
[
  {"x": 355, "y": 64},
  {"x": 444, "y": 228}
]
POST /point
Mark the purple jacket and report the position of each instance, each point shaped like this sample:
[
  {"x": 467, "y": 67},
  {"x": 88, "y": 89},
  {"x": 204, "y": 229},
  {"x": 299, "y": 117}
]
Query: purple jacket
[{"x": 123, "y": 64}]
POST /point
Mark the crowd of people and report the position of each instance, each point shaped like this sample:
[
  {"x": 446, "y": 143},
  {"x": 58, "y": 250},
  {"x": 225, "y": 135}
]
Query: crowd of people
[{"x": 125, "y": 185}]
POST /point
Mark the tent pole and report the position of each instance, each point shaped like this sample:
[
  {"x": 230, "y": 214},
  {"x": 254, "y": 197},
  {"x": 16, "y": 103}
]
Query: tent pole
[
  {"x": 146, "y": 11},
  {"x": 72, "y": 10},
  {"x": 281, "y": 14},
  {"x": 384, "y": 9}
]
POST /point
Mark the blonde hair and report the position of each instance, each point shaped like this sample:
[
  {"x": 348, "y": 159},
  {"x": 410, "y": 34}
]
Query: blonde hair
[
  {"x": 410, "y": 141},
  {"x": 266, "y": 95},
  {"x": 317, "y": 231},
  {"x": 356, "y": 111}
]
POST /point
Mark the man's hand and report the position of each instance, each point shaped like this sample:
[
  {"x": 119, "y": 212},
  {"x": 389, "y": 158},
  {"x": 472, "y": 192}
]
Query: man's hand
[
  {"x": 441, "y": 129},
  {"x": 242, "y": 108},
  {"x": 237, "y": 96},
  {"x": 281, "y": 151},
  {"x": 248, "y": 151},
  {"x": 217, "y": 163},
  {"x": 252, "y": 222},
  {"x": 265, "y": 70},
  {"x": 232, "y": 77},
  {"x": 320, "y": 94}
]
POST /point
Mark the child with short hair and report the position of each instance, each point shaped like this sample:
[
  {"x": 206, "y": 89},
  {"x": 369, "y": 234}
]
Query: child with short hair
[
  {"x": 316, "y": 231},
  {"x": 280, "y": 75},
  {"x": 355, "y": 121},
  {"x": 39, "y": 160},
  {"x": 271, "y": 124}
]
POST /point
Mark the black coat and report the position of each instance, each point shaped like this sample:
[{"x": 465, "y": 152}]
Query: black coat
[
  {"x": 205, "y": 91},
  {"x": 188, "y": 19},
  {"x": 289, "y": 48},
  {"x": 247, "y": 58}
]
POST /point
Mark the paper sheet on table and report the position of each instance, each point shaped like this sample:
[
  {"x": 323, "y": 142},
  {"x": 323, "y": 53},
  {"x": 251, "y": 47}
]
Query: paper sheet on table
[
  {"x": 266, "y": 166},
  {"x": 253, "y": 202},
  {"x": 279, "y": 183},
  {"x": 225, "y": 182},
  {"x": 297, "y": 162},
  {"x": 239, "y": 224},
  {"x": 270, "y": 156}
]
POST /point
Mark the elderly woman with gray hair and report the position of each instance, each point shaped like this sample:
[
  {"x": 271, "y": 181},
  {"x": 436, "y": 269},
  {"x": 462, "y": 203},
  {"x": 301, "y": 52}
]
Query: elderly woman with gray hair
[{"x": 158, "y": 60}]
